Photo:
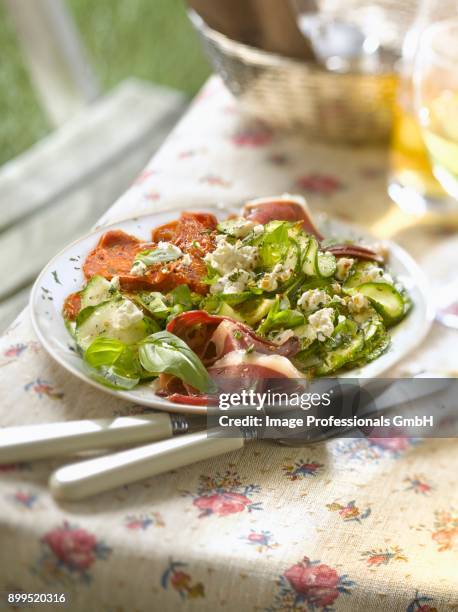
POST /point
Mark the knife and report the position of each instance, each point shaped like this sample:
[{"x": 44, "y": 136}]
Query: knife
[{"x": 28, "y": 442}]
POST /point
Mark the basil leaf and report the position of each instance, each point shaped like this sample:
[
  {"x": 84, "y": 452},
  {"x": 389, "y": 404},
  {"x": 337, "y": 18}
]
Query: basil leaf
[
  {"x": 287, "y": 319},
  {"x": 181, "y": 295},
  {"x": 103, "y": 351},
  {"x": 275, "y": 243},
  {"x": 113, "y": 363},
  {"x": 161, "y": 255},
  {"x": 281, "y": 315},
  {"x": 164, "y": 352},
  {"x": 113, "y": 377}
]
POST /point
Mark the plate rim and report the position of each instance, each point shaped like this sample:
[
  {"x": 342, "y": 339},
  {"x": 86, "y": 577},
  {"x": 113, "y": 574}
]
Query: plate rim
[{"x": 400, "y": 253}]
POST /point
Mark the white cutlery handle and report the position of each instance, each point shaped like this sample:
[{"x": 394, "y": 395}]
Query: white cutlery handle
[
  {"x": 53, "y": 439},
  {"x": 80, "y": 480}
]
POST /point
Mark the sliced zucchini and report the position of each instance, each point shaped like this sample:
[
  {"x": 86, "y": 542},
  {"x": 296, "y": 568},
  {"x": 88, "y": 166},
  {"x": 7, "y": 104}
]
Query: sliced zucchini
[
  {"x": 316, "y": 263},
  {"x": 97, "y": 290},
  {"x": 255, "y": 310},
  {"x": 154, "y": 302},
  {"x": 307, "y": 358},
  {"x": 336, "y": 359},
  {"x": 326, "y": 264},
  {"x": 292, "y": 258},
  {"x": 227, "y": 311},
  {"x": 386, "y": 300},
  {"x": 118, "y": 318},
  {"x": 309, "y": 265},
  {"x": 358, "y": 273}
]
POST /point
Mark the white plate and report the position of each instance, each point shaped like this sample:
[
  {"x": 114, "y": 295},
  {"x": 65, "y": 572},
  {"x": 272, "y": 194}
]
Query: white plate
[{"x": 63, "y": 275}]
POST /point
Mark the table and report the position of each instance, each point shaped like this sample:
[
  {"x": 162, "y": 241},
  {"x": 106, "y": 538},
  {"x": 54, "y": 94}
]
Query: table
[{"x": 350, "y": 524}]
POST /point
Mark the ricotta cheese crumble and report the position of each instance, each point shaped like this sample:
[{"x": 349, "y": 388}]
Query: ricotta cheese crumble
[{"x": 322, "y": 322}]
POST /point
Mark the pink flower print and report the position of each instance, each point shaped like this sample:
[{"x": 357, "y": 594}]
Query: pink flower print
[
  {"x": 144, "y": 176},
  {"x": 15, "y": 351},
  {"x": 310, "y": 585},
  {"x": 320, "y": 184},
  {"x": 418, "y": 484},
  {"x": 254, "y": 136},
  {"x": 143, "y": 521},
  {"x": 263, "y": 540},
  {"x": 152, "y": 196},
  {"x": 222, "y": 504},
  {"x": 43, "y": 389},
  {"x": 25, "y": 499},
  {"x": 317, "y": 582},
  {"x": 349, "y": 512},
  {"x": 375, "y": 558},
  {"x": 215, "y": 181},
  {"x": 393, "y": 445},
  {"x": 188, "y": 153},
  {"x": 138, "y": 523},
  {"x": 73, "y": 549},
  {"x": 224, "y": 494}
]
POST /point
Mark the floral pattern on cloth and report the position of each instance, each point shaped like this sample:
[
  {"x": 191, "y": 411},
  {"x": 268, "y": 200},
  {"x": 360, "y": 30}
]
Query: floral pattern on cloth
[
  {"x": 322, "y": 184},
  {"x": 310, "y": 585},
  {"x": 378, "y": 557},
  {"x": 421, "y": 603},
  {"x": 224, "y": 494},
  {"x": 43, "y": 389},
  {"x": 263, "y": 540},
  {"x": 419, "y": 485},
  {"x": 14, "y": 351},
  {"x": 68, "y": 554},
  {"x": 25, "y": 499},
  {"x": 373, "y": 449},
  {"x": 181, "y": 581},
  {"x": 141, "y": 522},
  {"x": 445, "y": 533},
  {"x": 350, "y": 511},
  {"x": 255, "y": 135},
  {"x": 301, "y": 469}
]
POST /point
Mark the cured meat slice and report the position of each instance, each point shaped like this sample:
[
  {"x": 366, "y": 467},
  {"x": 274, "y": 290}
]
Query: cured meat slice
[
  {"x": 114, "y": 255},
  {"x": 281, "y": 208},
  {"x": 72, "y": 306},
  {"x": 353, "y": 250},
  {"x": 230, "y": 336},
  {"x": 212, "y": 336},
  {"x": 253, "y": 365}
]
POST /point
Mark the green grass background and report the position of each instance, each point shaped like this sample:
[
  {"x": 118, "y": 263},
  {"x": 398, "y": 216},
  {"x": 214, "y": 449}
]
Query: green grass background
[{"x": 149, "y": 39}]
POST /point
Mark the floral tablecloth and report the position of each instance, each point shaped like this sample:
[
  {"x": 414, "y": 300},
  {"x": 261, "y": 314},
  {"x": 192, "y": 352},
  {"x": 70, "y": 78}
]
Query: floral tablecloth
[{"x": 350, "y": 524}]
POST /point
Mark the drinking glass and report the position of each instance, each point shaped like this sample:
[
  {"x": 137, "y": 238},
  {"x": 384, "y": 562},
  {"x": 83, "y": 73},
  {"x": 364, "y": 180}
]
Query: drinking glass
[
  {"x": 436, "y": 102},
  {"x": 412, "y": 183}
]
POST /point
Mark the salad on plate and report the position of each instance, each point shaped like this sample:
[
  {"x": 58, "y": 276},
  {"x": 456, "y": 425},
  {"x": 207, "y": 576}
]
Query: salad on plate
[{"x": 256, "y": 296}]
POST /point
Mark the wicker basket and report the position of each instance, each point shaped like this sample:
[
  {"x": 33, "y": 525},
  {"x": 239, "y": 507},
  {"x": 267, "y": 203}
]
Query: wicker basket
[{"x": 288, "y": 93}]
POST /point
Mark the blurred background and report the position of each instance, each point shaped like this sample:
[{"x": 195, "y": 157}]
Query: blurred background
[
  {"x": 88, "y": 93},
  {"x": 152, "y": 40}
]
